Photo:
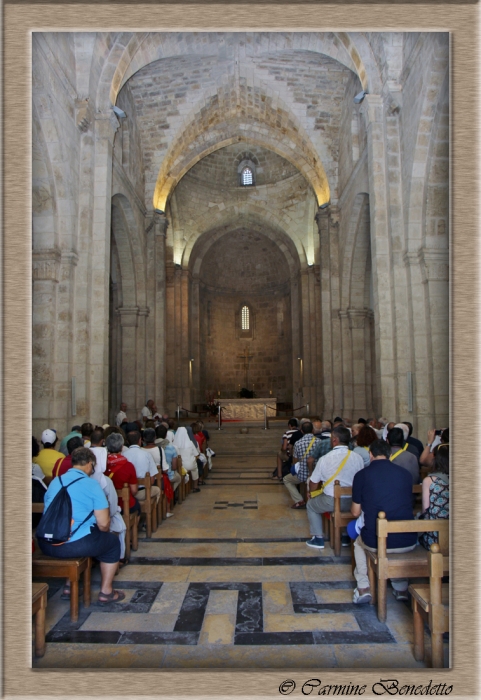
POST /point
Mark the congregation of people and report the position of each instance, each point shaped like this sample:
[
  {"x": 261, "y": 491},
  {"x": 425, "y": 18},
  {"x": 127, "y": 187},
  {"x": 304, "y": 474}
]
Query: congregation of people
[
  {"x": 95, "y": 463},
  {"x": 380, "y": 461}
]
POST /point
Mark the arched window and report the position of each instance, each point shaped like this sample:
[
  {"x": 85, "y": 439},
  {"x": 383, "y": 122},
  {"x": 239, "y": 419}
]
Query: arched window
[
  {"x": 247, "y": 177},
  {"x": 245, "y": 320}
]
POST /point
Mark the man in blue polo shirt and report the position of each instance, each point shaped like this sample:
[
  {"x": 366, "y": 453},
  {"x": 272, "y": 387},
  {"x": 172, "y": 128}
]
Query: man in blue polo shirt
[
  {"x": 90, "y": 511},
  {"x": 381, "y": 486}
]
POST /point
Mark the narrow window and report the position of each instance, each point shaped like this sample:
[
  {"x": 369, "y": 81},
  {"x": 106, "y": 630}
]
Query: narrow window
[
  {"x": 245, "y": 318},
  {"x": 247, "y": 178}
]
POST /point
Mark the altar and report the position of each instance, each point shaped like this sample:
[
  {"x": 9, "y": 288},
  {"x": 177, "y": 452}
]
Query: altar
[{"x": 247, "y": 409}]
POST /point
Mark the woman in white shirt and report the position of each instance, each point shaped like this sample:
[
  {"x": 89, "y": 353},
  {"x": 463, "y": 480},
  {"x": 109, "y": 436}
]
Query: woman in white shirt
[{"x": 189, "y": 455}]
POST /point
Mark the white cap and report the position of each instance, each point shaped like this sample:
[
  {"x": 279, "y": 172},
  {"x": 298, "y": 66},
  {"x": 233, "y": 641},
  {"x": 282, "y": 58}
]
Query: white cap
[{"x": 49, "y": 436}]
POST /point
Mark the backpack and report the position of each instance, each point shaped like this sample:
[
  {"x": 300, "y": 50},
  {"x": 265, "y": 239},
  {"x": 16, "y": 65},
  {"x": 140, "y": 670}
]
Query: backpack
[{"x": 56, "y": 521}]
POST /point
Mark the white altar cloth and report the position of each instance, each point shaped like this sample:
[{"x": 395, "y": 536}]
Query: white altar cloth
[{"x": 247, "y": 409}]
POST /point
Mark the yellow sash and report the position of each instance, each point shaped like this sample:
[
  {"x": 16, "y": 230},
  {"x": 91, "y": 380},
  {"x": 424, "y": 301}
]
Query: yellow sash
[
  {"x": 319, "y": 491},
  {"x": 396, "y": 454}
]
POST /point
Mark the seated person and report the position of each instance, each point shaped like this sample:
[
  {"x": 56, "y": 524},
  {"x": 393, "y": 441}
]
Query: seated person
[
  {"x": 400, "y": 453},
  {"x": 49, "y": 455},
  {"x": 171, "y": 455},
  {"x": 189, "y": 454},
  {"x": 364, "y": 438},
  {"x": 435, "y": 493},
  {"x": 435, "y": 437},
  {"x": 38, "y": 484},
  {"x": 143, "y": 462},
  {"x": 382, "y": 486},
  {"x": 121, "y": 471},
  {"x": 92, "y": 538},
  {"x": 284, "y": 456},
  {"x": 65, "y": 463},
  {"x": 160, "y": 460},
  {"x": 75, "y": 432},
  {"x": 302, "y": 450},
  {"x": 339, "y": 464}
]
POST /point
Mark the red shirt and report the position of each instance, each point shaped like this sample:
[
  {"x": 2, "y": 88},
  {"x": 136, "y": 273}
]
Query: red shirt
[
  {"x": 123, "y": 472},
  {"x": 200, "y": 437},
  {"x": 61, "y": 466}
]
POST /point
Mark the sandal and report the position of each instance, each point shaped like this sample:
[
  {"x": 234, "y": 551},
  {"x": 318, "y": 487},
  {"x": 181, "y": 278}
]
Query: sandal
[
  {"x": 114, "y": 597},
  {"x": 299, "y": 505},
  {"x": 65, "y": 595}
]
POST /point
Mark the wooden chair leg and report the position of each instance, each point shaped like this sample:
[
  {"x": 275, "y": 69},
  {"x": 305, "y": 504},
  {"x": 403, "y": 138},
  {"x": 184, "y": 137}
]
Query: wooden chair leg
[
  {"x": 73, "y": 600},
  {"x": 40, "y": 627},
  {"x": 437, "y": 653},
  {"x": 148, "y": 523},
  {"x": 372, "y": 582},
  {"x": 87, "y": 577},
  {"x": 337, "y": 541},
  {"x": 381, "y": 599},
  {"x": 418, "y": 632},
  {"x": 154, "y": 516},
  {"x": 127, "y": 541},
  {"x": 135, "y": 535}
]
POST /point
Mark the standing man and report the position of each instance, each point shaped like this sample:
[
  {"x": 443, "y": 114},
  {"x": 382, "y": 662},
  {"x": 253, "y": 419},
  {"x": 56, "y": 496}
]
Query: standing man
[
  {"x": 382, "y": 486},
  {"x": 121, "y": 415},
  {"x": 146, "y": 412},
  {"x": 340, "y": 463},
  {"x": 302, "y": 450}
]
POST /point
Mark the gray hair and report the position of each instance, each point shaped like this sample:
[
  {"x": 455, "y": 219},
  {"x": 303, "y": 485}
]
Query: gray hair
[
  {"x": 114, "y": 442},
  {"x": 404, "y": 428}
]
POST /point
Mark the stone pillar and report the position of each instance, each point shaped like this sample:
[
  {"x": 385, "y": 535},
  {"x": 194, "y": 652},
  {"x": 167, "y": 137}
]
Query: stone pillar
[
  {"x": 328, "y": 226},
  {"x": 129, "y": 318},
  {"x": 160, "y": 231},
  {"x": 46, "y": 269},
  {"x": 96, "y": 405},
  {"x": 357, "y": 318},
  {"x": 195, "y": 346},
  {"x": 345, "y": 387},
  {"x": 373, "y": 110},
  {"x": 435, "y": 270},
  {"x": 143, "y": 391}
]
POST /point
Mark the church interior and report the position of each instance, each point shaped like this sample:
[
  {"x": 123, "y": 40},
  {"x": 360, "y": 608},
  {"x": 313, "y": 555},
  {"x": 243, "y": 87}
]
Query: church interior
[{"x": 219, "y": 212}]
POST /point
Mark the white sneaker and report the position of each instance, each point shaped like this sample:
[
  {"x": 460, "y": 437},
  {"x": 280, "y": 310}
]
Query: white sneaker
[
  {"x": 169, "y": 515},
  {"x": 360, "y": 599}
]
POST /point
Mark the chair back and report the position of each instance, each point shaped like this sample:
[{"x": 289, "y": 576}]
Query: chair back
[{"x": 385, "y": 527}]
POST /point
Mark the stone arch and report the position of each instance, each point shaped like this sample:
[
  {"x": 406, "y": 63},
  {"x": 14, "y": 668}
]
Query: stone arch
[
  {"x": 128, "y": 53},
  {"x": 255, "y": 217},
  {"x": 222, "y": 121}
]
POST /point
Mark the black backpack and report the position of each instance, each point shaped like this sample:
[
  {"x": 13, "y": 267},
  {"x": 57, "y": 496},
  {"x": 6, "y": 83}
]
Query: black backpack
[{"x": 56, "y": 521}]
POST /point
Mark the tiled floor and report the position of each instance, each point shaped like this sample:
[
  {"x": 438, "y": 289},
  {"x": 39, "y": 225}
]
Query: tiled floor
[{"x": 227, "y": 585}]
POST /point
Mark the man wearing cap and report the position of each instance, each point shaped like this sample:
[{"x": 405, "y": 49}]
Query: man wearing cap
[{"x": 49, "y": 455}]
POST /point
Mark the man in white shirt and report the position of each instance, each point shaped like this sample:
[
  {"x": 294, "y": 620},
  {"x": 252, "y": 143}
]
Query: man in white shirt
[
  {"x": 146, "y": 412},
  {"x": 121, "y": 415},
  {"x": 328, "y": 470},
  {"x": 143, "y": 463},
  {"x": 100, "y": 452}
]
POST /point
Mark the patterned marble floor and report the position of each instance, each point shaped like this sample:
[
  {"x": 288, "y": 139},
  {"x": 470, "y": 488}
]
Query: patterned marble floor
[{"x": 229, "y": 582}]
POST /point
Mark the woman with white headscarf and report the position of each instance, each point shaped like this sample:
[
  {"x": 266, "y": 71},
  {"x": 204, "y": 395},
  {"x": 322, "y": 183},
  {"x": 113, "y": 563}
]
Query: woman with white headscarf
[
  {"x": 117, "y": 523},
  {"x": 189, "y": 454}
]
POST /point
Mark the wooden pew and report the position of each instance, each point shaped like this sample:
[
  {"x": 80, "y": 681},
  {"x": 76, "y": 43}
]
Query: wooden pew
[
  {"x": 430, "y": 603},
  {"x": 162, "y": 504},
  {"x": 340, "y": 519},
  {"x": 39, "y": 606},
  {"x": 131, "y": 521},
  {"x": 382, "y": 566},
  {"x": 149, "y": 506},
  {"x": 181, "y": 490},
  {"x": 72, "y": 569}
]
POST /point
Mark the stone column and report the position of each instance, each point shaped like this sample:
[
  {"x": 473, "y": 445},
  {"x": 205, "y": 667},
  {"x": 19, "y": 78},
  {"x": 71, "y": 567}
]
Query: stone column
[
  {"x": 373, "y": 110},
  {"x": 143, "y": 390},
  {"x": 345, "y": 389},
  {"x": 45, "y": 272},
  {"x": 106, "y": 124},
  {"x": 129, "y": 318},
  {"x": 435, "y": 269},
  {"x": 357, "y": 318},
  {"x": 160, "y": 224}
]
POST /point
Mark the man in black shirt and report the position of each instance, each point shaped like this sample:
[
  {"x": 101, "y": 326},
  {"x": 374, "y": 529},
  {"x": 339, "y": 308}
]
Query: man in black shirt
[{"x": 382, "y": 486}]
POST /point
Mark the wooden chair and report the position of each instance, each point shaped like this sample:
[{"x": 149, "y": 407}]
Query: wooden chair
[
  {"x": 149, "y": 506},
  {"x": 162, "y": 503},
  {"x": 430, "y": 603},
  {"x": 181, "y": 494},
  {"x": 131, "y": 521},
  {"x": 39, "y": 606},
  {"x": 340, "y": 519},
  {"x": 72, "y": 569},
  {"x": 382, "y": 566}
]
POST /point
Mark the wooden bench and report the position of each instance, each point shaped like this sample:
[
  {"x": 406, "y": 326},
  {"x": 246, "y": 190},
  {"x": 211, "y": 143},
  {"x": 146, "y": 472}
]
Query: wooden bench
[
  {"x": 181, "y": 490},
  {"x": 149, "y": 506},
  {"x": 430, "y": 603},
  {"x": 162, "y": 504},
  {"x": 131, "y": 521},
  {"x": 39, "y": 606},
  {"x": 72, "y": 569},
  {"x": 340, "y": 519},
  {"x": 382, "y": 566}
]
